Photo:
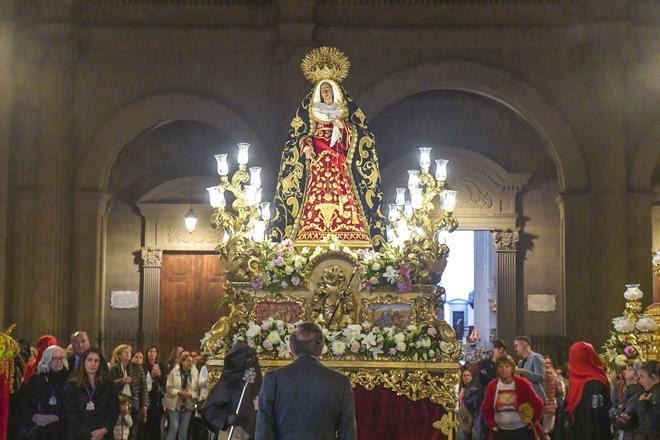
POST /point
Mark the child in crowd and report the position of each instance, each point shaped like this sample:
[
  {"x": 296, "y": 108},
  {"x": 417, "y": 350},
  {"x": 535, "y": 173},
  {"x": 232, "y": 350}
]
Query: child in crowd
[{"x": 124, "y": 421}]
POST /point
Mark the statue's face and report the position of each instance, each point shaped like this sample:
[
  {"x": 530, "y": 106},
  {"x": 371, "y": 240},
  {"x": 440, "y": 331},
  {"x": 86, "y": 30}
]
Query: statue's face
[{"x": 326, "y": 93}]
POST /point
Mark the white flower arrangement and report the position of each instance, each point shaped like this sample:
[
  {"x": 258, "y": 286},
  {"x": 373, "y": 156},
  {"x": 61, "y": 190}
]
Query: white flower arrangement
[
  {"x": 283, "y": 266},
  {"x": 355, "y": 341}
]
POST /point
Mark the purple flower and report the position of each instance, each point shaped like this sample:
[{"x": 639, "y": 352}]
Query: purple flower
[
  {"x": 629, "y": 351},
  {"x": 355, "y": 346},
  {"x": 405, "y": 271},
  {"x": 257, "y": 283},
  {"x": 432, "y": 331},
  {"x": 295, "y": 281},
  {"x": 404, "y": 286},
  {"x": 367, "y": 286},
  {"x": 279, "y": 261},
  {"x": 267, "y": 345}
]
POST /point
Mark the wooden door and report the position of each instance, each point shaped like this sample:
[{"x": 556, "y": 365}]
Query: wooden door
[{"x": 190, "y": 285}]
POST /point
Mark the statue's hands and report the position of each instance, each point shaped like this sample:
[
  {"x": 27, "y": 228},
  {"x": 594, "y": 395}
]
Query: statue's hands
[
  {"x": 337, "y": 123},
  {"x": 309, "y": 153}
]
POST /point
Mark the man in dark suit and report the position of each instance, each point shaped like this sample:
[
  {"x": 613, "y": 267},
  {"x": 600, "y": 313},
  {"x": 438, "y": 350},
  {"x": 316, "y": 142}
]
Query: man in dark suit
[
  {"x": 80, "y": 343},
  {"x": 306, "y": 400}
]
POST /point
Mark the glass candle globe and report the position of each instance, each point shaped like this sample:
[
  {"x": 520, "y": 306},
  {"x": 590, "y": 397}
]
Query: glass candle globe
[
  {"x": 243, "y": 148},
  {"x": 217, "y": 197},
  {"x": 425, "y": 158},
  {"x": 400, "y": 196},
  {"x": 223, "y": 167},
  {"x": 632, "y": 292},
  {"x": 441, "y": 169}
]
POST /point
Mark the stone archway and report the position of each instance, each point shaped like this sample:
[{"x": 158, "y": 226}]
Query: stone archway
[
  {"x": 146, "y": 113},
  {"x": 558, "y": 139},
  {"x": 92, "y": 197},
  {"x": 496, "y": 84}
]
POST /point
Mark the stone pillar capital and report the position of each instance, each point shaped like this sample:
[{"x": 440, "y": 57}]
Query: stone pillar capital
[
  {"x": 506, "y": 241},
  {"x": 151, "y": 257}
]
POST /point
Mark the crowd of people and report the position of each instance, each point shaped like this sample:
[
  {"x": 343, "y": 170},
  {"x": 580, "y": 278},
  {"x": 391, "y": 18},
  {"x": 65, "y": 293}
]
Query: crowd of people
[
  {"x": 531, "y": 399},
  {"x": 75, "y": 393}
]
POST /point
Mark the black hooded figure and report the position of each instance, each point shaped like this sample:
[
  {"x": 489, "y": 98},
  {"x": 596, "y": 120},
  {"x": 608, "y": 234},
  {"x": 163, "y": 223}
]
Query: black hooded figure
[{"x": 220, "y": 406}]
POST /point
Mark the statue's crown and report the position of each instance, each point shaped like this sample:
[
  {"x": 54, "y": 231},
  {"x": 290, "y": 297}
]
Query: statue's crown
[{"x": 325, "y": 63}]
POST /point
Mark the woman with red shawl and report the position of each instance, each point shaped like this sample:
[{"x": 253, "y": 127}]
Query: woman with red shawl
[
  {"x": 31, "y": 369},
  {"x": 588, "y": 403}
]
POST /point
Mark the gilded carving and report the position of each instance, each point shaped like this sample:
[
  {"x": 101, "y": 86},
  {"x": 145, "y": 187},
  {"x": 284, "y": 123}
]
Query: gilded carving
[{"x": 333, "y": 301}]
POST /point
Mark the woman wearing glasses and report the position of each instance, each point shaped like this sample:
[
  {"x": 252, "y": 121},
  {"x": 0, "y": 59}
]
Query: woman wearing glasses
[{"x": 42, "y": 402}]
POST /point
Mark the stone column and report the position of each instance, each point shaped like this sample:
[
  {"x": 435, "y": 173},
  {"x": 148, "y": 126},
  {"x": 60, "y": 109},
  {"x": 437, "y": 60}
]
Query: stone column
[
  {"x": 484, "y": 276},
  {"x": 52, "y": 255},
  {"x": 575, "y": 235},
  {"x": 640, "y": 242},
  {"x": 506, "y": 249},
  {"x": 152, "y": 260},
  {"x": 6, "y": 90},
  {"x": 87, "y": 286}
]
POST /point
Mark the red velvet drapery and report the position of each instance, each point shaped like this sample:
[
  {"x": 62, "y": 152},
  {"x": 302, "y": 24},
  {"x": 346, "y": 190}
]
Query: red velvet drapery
[{"x": 382, "y": 415}]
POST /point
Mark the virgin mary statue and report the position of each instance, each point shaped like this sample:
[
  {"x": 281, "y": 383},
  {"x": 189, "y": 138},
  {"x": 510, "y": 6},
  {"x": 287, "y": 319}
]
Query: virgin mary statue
[{"x": 329, "y": 181}]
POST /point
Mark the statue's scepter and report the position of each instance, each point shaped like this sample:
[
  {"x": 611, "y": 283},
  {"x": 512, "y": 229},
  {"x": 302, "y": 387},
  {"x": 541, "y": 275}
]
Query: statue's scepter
[{"x": 248, "y": 378}]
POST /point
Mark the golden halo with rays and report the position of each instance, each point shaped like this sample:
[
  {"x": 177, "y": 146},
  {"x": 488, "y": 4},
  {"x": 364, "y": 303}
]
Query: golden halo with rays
[{"x": 325, "y": 63}]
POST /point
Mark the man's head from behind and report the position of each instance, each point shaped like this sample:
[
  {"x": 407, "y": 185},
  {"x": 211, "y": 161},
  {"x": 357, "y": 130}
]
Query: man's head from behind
[
  {"x": 79, "y": 342},
  {"x": 307, "y": 339},
  {"x": 523, "y": 346}
]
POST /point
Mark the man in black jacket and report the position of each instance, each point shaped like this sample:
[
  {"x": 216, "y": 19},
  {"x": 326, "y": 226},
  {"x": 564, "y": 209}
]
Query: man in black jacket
[{"x": 305, "y": 399}]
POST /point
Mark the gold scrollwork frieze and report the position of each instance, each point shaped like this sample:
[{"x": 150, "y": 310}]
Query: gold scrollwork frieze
[{"x": 415, "y": 384}]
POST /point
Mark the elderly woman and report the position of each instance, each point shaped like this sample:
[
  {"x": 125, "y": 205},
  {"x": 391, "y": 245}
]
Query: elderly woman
[
  {"x": 511, "y": 408},
  {"x": 42, "y": 402},
  {"x": 131, "y": 382}
]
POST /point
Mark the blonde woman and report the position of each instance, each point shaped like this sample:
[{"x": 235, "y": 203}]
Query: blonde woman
[
  {"x": 182, "y": 392},
  {"x": 131, "y": 382}
]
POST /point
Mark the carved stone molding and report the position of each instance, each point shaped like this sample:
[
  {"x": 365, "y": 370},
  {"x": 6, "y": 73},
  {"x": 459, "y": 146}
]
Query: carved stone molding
[
  {"x": 506, "y": 241},
  {"x": 152, "y": 257},
  {"x": 179, "y": 235}
]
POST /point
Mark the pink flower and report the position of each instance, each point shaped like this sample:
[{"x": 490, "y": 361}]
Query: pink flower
[
  {"x": 629, "y": 351},
  {"x": 265, "y": 325},
  {"x": 405, "y": 271},
  {"x": 250, "y": 343},
  {"x": 373, "y": 281},
  {"x": 404, "y": 286},
  {"x": 279, "y": 261},
  {"x": 257, "y": 283},
  {"x": 432, "y": 331},
  {"x": 295, "y": 281},
  {"x": 267, "y": 345},
  {"x": 355, "y": 346}
]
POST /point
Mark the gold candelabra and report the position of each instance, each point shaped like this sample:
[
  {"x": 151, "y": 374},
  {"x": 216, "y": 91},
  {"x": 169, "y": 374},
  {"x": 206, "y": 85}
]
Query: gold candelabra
[
  {"x": 242, "y": 229},
  {"x": 418, "y": 226},
  {"x": 639, "y": 329}
]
